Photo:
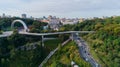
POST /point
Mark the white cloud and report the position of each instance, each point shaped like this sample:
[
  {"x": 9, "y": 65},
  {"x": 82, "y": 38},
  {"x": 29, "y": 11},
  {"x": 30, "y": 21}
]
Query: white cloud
[{"x": 65, "y": 8}]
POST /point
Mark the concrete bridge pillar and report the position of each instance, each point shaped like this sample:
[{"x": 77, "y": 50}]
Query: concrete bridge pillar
[
  {"x": 42, "y": 40},
  {"x": 72, "y": 36}
]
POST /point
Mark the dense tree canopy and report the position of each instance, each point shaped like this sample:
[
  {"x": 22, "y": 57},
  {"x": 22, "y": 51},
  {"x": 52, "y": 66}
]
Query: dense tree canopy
[
  {"x": 34, "y": 25},
  {"x": 105, "y": 42}
]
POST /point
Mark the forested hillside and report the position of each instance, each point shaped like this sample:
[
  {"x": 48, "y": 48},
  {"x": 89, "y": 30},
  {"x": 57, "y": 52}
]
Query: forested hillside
[
  {"x": 64, "y": 56},
  {"x": 12, "y": 54},
  {"x": 105, "y": 42}
]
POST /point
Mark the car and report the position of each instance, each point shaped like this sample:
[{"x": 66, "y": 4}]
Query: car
[
  {"x": 78, "y": 38},
  {"x": 96, "y": 65},
  {"x": 86, "y": 59},
  {"x": 77, "y": 34}
]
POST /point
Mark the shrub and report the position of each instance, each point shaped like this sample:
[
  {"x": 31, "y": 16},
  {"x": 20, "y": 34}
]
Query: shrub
[{"x": 0, "y": 32}]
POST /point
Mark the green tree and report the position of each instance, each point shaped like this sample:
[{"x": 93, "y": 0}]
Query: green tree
[
  {"x": 16, "y": 40},
  {"x": 0, "y": 32}
]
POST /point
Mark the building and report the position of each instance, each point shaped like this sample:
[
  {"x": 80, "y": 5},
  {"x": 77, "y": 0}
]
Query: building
[
  {"x": 69, "y": 21},
  {"x": 44, "y": 20},
  {"x": 24, "y": 16},
  {"x": 31, "y": 17},
  {"x": 50, "y": 17},
  {"x": 81, "y": 20},
  {"x": 3, "y": 16},
  {"x": 54, "y": 22}
]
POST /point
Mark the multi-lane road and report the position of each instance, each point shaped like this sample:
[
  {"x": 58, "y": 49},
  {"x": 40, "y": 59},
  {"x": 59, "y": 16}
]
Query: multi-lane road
[{"x": 83, "y": 50}]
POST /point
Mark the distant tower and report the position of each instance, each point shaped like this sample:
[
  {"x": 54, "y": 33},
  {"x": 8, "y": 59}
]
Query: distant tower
[
  {"x": 3, "y": 15},
  {"x": 24, "y": 16},
  {"x": 31, "y": 17}
]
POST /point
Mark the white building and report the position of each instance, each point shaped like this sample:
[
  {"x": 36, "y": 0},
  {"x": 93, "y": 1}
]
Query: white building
[
  {"x": 69, "y": 21},
  {"x": 54, "y": 23}
]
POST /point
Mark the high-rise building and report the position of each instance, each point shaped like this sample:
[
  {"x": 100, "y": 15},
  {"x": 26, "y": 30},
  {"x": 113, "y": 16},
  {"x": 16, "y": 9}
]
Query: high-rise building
[
  {"x": 3, "y": 15},
  {"x": 24, "y": 16}
]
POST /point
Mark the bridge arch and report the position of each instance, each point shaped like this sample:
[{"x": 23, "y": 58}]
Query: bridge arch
[{"x": 22, "y": 22}]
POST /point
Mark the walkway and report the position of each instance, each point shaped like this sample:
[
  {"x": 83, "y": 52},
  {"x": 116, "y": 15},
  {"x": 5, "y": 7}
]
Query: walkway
[
  {"x": 52, "y": 52},
  {"x": 8, "y": 33}
]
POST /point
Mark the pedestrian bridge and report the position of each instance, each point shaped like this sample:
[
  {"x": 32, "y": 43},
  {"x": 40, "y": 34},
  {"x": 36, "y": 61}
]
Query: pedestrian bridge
[
  {"x": 9, "y": 33},
  {"x": 26, "y": 31}
]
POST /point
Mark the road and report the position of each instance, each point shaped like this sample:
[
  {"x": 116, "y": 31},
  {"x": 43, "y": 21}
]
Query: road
[{"x": 83, "y": 50}]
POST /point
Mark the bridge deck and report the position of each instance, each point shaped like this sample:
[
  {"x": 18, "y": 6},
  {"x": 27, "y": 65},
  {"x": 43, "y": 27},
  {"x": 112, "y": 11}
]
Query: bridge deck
[
  {"x": 8, "y": 33},
  {"x": 66, "y": 32}
]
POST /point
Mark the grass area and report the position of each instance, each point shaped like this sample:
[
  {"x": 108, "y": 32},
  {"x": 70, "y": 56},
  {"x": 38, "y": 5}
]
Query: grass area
[
  {"x": 52, "y": 44},
  {"x": 96, "y": 57},
  {"x": 64, "y": 56}
]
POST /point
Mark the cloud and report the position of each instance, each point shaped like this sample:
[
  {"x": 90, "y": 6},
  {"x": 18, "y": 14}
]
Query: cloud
[{"x": 65, "y": 8}]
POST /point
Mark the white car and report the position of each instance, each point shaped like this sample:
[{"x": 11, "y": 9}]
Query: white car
[
  {"x": 86, "y": 59},
  {"x": 96, "y": 65}
]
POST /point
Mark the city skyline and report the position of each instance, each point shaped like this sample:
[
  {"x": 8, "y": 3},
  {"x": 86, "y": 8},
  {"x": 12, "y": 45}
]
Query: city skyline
[{"x": 64, "y": 8}]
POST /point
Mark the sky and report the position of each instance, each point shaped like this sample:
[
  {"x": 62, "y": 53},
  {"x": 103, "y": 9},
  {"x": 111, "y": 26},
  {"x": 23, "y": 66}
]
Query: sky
[{"x": 61, "y": 8}]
